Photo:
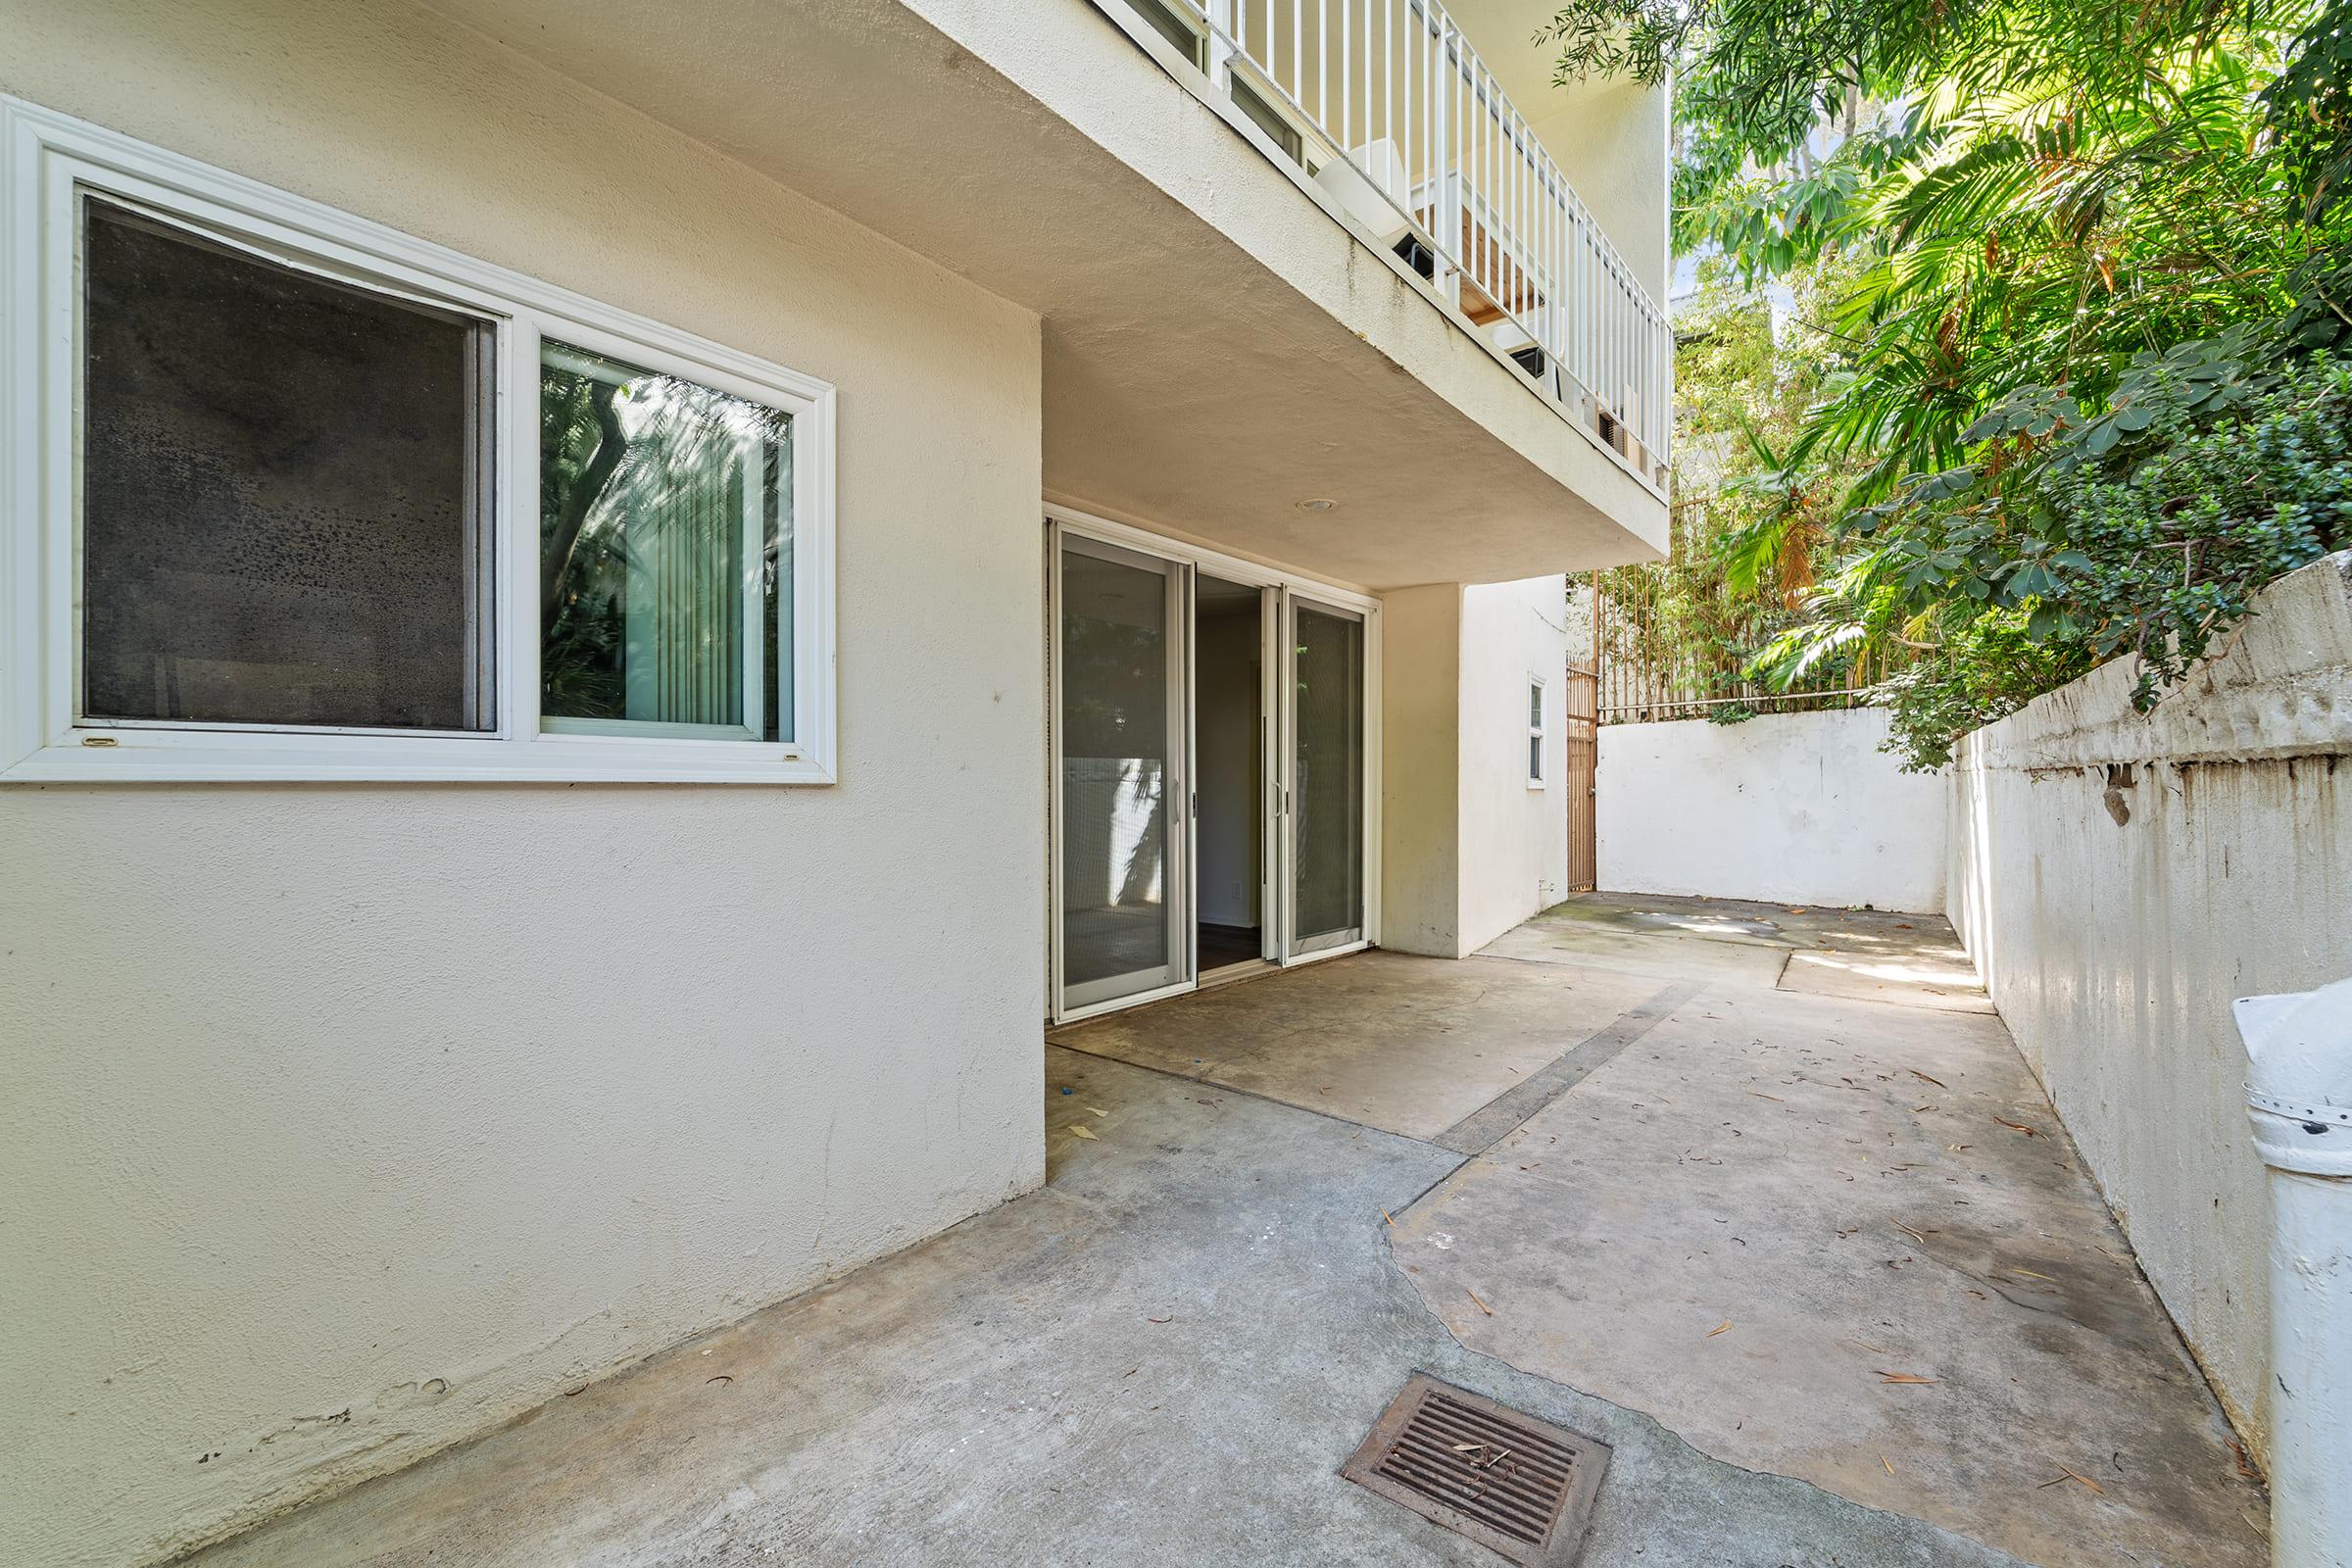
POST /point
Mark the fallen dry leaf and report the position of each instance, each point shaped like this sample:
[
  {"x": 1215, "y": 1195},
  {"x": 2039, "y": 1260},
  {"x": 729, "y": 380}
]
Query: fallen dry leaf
[
  {"x": 1883, "y": 1459},
  {"x": 720, "y": 1377},
  {"x": 1384, "y": 1214},
  {"x": 1900, "y": 1377},
  {"x": 1775, "y": 1098},
  {"x": 1924, "y": 1079},
  {"x": 1718, "y": 1329},
  {"x": 1482, "y": 1306},
  {"x": 1159, "y": 1320},
  {"x": 1098, "y": 1110},
  {"x": 1086, "y": 1133},
  {"x": 2029, "y": 1274},
  {"x": 2030, "y": 1132},
  {"x": 2065, "y": 1475}
]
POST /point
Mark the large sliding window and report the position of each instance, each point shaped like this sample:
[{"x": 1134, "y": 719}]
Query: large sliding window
[{"x": 303, "y": 498}]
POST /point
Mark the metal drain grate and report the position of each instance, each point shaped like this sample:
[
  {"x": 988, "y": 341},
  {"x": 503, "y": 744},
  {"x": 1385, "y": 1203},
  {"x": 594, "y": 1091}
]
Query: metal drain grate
[{"x": 1518, "y": 1485}]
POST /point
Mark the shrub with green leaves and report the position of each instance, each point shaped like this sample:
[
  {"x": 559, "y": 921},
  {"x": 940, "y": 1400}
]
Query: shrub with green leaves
[
  {"x": 2076, "y": 400},
  {"x": 2069, "y": 540}
]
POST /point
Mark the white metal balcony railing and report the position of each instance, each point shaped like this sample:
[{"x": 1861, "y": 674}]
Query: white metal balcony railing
[{"x": 1386, "y": 105}]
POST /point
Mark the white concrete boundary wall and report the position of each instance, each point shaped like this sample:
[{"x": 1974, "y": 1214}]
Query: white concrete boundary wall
[
  {"x": 2120, "y": 878},
  {"x": 1787, "y": 808}
]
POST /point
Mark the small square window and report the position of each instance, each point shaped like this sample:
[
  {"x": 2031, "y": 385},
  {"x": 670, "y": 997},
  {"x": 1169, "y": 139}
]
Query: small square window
[
  {"x": 665, "y": 578},
  {"x": 282, "y": 507}
]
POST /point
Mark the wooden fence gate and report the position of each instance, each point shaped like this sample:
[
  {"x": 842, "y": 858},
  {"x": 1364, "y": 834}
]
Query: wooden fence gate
[{"x": 1579, "y": 714}]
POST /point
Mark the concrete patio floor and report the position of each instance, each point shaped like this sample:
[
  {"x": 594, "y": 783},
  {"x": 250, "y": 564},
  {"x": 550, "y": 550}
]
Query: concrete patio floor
[{"x": 1621, "y": 1128}]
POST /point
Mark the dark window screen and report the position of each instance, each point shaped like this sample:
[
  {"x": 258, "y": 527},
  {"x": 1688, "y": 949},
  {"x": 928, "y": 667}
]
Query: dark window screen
[{"x": 279, "y": 492}]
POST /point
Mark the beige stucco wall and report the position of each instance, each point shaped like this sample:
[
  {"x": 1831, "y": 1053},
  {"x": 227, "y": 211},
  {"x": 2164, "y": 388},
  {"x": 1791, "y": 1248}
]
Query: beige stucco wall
[
  {"x": 1221, "y": 344},
  {"x": 341, "y": 1123},
  {"x": 1468, "y": 850},
  {"x": 1514, "y": 839},
  {"x": 2114, "y": 948},
  {"x": 1420, "y": 786},
  {"x": 1612, "y": 136}
]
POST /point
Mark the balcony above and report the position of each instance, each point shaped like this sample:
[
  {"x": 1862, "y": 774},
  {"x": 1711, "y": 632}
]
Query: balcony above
[
  {"x": 1389, "y": 109},
  {"x": 1282, "y": 250}
]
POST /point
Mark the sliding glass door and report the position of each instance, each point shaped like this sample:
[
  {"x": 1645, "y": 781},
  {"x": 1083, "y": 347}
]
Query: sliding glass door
[
  {"x": 1212, "y": 743},
  {"x": 1324, "y": 760},
  {"x": 1123, "y": 874}
]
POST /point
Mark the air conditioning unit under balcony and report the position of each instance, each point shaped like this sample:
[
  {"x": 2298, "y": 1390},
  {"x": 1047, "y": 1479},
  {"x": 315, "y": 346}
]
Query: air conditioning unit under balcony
[{"x": 1371, "y": 187}]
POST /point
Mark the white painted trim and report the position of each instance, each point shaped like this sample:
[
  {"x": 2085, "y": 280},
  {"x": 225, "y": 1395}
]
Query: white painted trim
[
  {"x": 1217, "y": 563},
  {"x": 1056, "y": 816},
  {"x": 44, "y": 158},
  {"x": 1318, "y": 954},
  {"x": 1188, "y": 740},
  {"x": 1273, "y": 897},
  {"x": 1096, "y": 1010}
]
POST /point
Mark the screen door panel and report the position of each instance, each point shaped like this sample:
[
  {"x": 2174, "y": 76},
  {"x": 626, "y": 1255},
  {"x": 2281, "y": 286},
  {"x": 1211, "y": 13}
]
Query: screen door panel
[
  {"x": 1118, "y": 725},
  {"x": 1325, "y": 758}
]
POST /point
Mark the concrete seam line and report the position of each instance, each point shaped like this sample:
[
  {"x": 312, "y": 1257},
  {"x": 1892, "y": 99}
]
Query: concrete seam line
[
  {"x": 1247, "y": 1094},
  {"x": 1502, "y": 1115}
]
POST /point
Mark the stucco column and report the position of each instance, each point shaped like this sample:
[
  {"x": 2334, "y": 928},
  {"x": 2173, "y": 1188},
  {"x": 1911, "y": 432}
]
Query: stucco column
[{"x": 2299, "y": 1098}]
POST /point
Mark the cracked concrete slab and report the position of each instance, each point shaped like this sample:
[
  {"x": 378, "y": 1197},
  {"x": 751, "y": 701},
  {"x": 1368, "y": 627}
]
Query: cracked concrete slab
[
  {"x": 1719, "y": 1213},
  {"x": 1162, "y": 1358},
  {"x": 1870, "y": 953},
  {"x": 1901, "y": 979},
  {"x": 1407, "y": 1045},
  {"x": 1770, "y": 1205},
  {"x": 1676, "y": 956}
]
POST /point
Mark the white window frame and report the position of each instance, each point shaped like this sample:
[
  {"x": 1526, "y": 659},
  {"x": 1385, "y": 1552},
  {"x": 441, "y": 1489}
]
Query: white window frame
[
  {"x": 1539, "y": 732},
  {"x": 45, "y": 160}
]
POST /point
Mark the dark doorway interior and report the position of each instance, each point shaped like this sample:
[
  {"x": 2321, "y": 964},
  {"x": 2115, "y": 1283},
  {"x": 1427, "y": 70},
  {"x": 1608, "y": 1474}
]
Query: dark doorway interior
[{"x": 1228, "y": 659}]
